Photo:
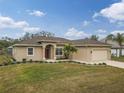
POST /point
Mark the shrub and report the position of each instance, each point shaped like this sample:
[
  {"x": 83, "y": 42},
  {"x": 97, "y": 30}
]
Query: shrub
[
  {"x": 95, "y": 64},
  {"x": 78, "y": 62},
  {"x": 45, "y": 62},
  {"x": 31, "y": 60},
  {"x": 41, "y": 61},
  {"x": 73, "y": 61},
  {"x": 84, "y": 63},
  {"x": 51, "y": 62},
  {"x": 13, "y": 59},
  {"x": 37, "y": 61},
  {"x": 59, "y": 61},
  {"x": 18, "y": 62},
  {"x": 104, "y": 63},
  {"x": 61, "y": 58},
  {"x": 24, "y": 60},
  {"x": 100, "y": 63},
  {"x": 5, "y": 63}
]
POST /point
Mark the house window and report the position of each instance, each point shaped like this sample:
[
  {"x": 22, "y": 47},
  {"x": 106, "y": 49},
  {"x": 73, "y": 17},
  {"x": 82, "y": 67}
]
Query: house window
[
  {"x": 59, "y": 51},
  {"x": 30, "y": 51}
]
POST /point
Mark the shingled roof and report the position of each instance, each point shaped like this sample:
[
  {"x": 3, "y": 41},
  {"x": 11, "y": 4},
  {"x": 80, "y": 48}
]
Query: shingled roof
[
  {"x": 36, "y": 40},
  {"x": 83, "y": 42},
  {"x": 89, "y": 42}
]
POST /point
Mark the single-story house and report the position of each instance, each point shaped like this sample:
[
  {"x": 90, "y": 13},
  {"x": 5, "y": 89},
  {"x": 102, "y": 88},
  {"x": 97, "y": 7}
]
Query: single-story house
[
  {"x": 51, "y": 48},
  {"x": 115, "y": 47}
]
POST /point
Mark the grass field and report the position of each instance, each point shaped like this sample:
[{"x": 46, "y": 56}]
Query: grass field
[
  {"x": 121, "y": 59},
  {"x": 60, "y": 78}
]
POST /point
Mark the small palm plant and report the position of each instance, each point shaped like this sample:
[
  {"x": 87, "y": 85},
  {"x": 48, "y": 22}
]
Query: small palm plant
[{"x": 68, "y": 51}]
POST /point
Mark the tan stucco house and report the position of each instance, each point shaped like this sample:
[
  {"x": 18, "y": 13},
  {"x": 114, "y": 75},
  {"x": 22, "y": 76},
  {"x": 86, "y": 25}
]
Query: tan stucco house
[{"x": 51, "y": 48}]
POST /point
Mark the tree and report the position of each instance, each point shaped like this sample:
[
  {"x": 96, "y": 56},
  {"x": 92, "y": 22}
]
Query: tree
[
  {"x": 119, "y": 38},
  {"x": 68, "y": 50},
  {"x": 42, "y": 33},
  {"x": 45, "y": 34},
  {"x": 94, "y": 37},
  {"x": 26, "y": 36}
]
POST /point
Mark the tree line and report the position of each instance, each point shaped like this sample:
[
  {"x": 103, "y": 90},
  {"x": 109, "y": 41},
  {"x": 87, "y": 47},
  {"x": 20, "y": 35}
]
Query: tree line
[{"x": 6, "y": 41}]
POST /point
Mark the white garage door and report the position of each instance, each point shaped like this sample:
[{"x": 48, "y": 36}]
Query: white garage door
[{"x": 99, "y": 54}]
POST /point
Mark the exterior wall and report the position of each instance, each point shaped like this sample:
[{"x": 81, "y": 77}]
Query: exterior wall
[
  {"x": 82, "y": 54},
  {"x": 20, "y": 53},
  {"x": 52, "y": 52},
  {"x": 85, "y": 53}
]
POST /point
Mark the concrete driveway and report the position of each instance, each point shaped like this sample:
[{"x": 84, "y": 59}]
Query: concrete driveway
[{"x": 116, "y": 64}]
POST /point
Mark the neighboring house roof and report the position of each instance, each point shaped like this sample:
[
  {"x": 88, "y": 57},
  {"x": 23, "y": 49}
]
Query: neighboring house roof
[
  {"x": 114, "y": 44},
  {"x": 36, "y": 41}
]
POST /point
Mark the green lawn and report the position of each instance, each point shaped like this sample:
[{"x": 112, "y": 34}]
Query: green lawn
[
  {"x": 60, "y": 78},
  {"x": 121, "y": 59}
]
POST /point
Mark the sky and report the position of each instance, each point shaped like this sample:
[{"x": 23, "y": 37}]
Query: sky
[{"x": 72, "y": 19}]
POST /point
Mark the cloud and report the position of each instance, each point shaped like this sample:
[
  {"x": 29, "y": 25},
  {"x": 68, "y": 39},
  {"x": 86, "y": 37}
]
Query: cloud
[
  {"x": 21, "y": 24},
  {"x": 101, "y": 31},
  {"x": 86, "y": 23},
  {"x": 117, "y": 31},
  {"x": 36, "y": 13},
  {"x": 114, "y": 12},
  {"x": 101, "y": 36},
  {"x": 73, "y": 33},
  {"x": 3, "y": 35},
  {"x": 120, "y": 24},
  {"x": 95, "y": 15},
  {"x": 32, "y": 29},
  {"x": 7, "y": 22}
]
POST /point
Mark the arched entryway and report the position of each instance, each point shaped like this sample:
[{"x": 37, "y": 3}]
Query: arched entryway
[{"x": 49, "y": 52}]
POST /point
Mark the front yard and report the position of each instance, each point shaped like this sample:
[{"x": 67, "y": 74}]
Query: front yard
[
  {"x": 60, "y": 78},
  {"x": 121, "y": 59}
]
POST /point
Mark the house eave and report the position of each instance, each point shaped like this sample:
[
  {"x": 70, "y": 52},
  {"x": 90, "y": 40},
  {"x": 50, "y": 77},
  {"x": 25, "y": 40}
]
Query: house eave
[
  {"x": 26, "y": 45},
  {"x": 91, "y": 45}
]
